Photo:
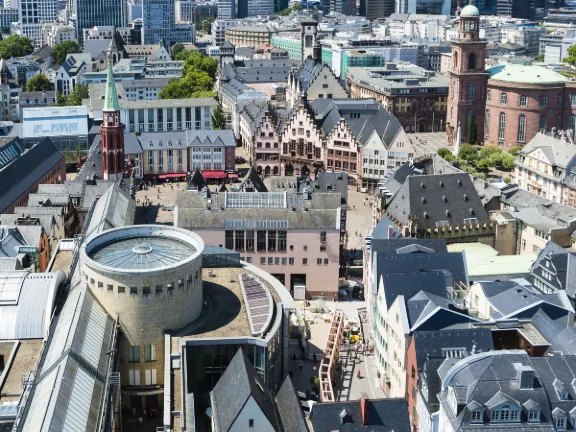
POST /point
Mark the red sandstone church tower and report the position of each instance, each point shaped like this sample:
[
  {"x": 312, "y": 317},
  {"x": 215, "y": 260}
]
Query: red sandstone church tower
[
  {"x": 467, "y": 93},
  {"x": 112, "y": 132}
]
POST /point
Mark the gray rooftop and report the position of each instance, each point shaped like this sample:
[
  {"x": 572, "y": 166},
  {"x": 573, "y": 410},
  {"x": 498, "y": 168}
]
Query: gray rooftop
[
  {"x": 558, "y": 152},
  {"x": 395, "y": 76}
]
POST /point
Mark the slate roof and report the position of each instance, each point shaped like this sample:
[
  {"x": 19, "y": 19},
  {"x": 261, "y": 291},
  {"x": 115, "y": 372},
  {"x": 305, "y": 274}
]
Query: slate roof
[
  {"x": 308, "y": 72},
  {"x": 373, "y": 117},
  {"x": 436, "y": 198},
  {"x": 559, "y": 152},
  {"x": 561, "y": 263},
  {"x": 518, "y": 199},
  {"x": 429, "y": 374},
  {"x": 429, "y": 344},
  {"x": 236, "y": 385},
  {"x": 259, "y": 71},
  {"x": 488, "y": 379},
  {"x": 383, "y": 229},
  {"x": 14, "y": 237},
  {"x": 289, "y": 408},
  {"x": 384, "y": 415},
  {"x": 427, "y": 311},
  {"x": 197, "y": 180},
  {"x": 452, "y": 265},
  {"x": 396, "y": 177},
  {"x": 410, "y": 284},
  {"x": 391, "y": 246},
  {"x": 252, "y": 181},
  {"x": 26, "y": 171}
]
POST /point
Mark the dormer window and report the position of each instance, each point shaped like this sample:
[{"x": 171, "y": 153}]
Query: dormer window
[
  {"x": 505, "y": 413},
  {"x": 561, "y": 423},
  {"x": 565, "y": 396},
  {"x": 476, "y": 416},
  {"x": 534, "y": 415}
]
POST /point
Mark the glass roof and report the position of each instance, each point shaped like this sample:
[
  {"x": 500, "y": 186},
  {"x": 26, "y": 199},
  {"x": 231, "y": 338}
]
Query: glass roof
[{"x": 141, "y": 253}]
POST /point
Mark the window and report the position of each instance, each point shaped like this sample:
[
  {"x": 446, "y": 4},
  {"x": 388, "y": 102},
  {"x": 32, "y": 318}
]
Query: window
[
  {"x": 263, "y": 260},
  {"x": 488, "y": 95},
  {"x": 250, "y": 240},
  {"x": 282, "y": 241},
  {"x": 261, "y": 240},
  {"x": 323, "y": 236},
  {"x": 523, "y": 101},
  {"x": 149, "y": 353},
  {"x": 572, "y": 124},
  {"x": 505, "y": 413},
  {"x": 476, "y": 416},
  {"x": 121, "y": 290},
  {"x": 534, "y": 415},
  {"x": 134, "y": 377},
  {"x": 239, "y": 239},
  {"x": 326, "y": 261},
  {"x": 271, "y": 240},
  {"x": 522, "y": 128},
  {"x": 502, "y": 126},
  {"x": 503, "y": 98},
  {"x": 291, "y": 261},
  {"x": 471, "y": 91},
  {"x": 561, "y": 423},
  {"x": 229, "y": 239},
  {"x": 270, "y": 260},
  {"x": 542, "y": 123},
  {"x": 573, "y": 100},
  {"x": 304, "y": 261},
  {"x": 251, "y": 423},
  {"x": 322, "y": 248},
  {"x": 543, "y": 101},
  {"x": 134, "y": 354},
  {"x": 133, "y": 291},
  {"x": 487, "y": 125},
  {"x": 472, "y": 61}
]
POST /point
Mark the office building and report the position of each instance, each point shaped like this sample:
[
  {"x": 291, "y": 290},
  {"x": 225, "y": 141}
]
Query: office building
[
  {"x": 227, "y": 9},
  {"x": 91, "y": 13},
  {"x": 159, "y": 23},
  {"x": 34, "y": 13},
  {"x": 8, "y": 16},
  {"x": 253, "y": 8},
  {"x": 435, "y": 7},
  {"x": 517, "y": 8}
]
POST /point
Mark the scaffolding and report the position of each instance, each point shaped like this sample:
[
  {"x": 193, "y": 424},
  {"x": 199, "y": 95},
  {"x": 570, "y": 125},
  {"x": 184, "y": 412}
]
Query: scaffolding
[{"x": 331, "y": 356}]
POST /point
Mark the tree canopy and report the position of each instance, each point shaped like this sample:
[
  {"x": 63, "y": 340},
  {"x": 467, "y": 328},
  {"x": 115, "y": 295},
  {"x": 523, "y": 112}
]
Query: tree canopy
[
  {"x": 218, "y": 118},
  {"x": 15, "y": 46},
  {"x": 198, "y": 76},
  {"x": 571, "y": 55},
  {"x": 177, "y": 48},
  {"x": 38, "y": 83},
  {"x": 62, "y": 49},
  {"x": 79, "y": 92},
  {"x": 287, "y": 11}
]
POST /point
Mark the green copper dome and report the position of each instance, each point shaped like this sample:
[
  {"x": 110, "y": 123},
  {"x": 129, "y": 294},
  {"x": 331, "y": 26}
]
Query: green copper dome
[
  {"x": 111, "y": 99},
  {"x": 470, "y": 11}
]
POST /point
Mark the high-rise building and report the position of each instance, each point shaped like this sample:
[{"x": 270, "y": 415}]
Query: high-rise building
[
  {"x": 517, "y": 8},
  {"x": 158, "y": 19},
  {"x": 432, "y": 7},
  {"x": 373, "y": 9},
  {"x": 227, "y": 9},
  {"x": 92, "y": 13},
  {"x": 252, "y": 8},
  {"x": 34, "y": 13},
  {"x": 467, "y": 94}
]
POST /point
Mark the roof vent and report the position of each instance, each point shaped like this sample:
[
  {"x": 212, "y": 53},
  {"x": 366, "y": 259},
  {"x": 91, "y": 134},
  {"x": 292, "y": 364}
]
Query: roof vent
[
  {"x": 441, "y": 183},
  {"x": 422, "y": 185},
  {"x": 471, "y": 210},
  {"x": 465, "y": 196},
  {"x": 459, "y": 182},
  {"x": 447, "y": 212},
  {"x": 423, "y": 200},
  {"x": 444, "y": 198}
]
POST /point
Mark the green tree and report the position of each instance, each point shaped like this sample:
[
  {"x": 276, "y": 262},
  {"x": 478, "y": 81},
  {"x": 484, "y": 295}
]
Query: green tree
[
  {"x": 540, "y": 58},
  {"x": 204, "y": 94},
  {"x": 515, "y": 150},
  {"x": 218, "y": 118},
  {"x": 484, "y": 163},
  {"x": 38, "y": 83},
  {"x": 177, "y": 48},
  {"x": 79, "y": 92},
  {"x": 206, "y": 25},
  {"x": 285, "y": 12},
  {"x": 468, "y": 153},
  {"x": 489, "y": 151},
  {"x": 472, "y": 129},
  {"x": 571, "y": 55},
  {"x": 297, "y": 7},
  {"x": 62, "y": 49},
  {"x": 61, "y": 100},
  {"x": 508, "y": 161},
  {"x": 446, "y": 154},
  {"x": 15, "y": 46},
  {"x": 5, "y": 29},
  {"x": 508, "y": 180},
  {"x": 198, "y": 76}
]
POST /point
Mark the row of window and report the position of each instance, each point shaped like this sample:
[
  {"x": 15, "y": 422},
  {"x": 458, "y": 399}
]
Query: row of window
[
  {"x": 521, "y": 134},
  {"x": 134, "y": 353},
  {"x": 287, "y": 260},
  {"x": 522, "y": 99}
]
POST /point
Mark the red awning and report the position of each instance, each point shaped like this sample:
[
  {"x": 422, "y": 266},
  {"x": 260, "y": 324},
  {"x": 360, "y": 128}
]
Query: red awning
[
  {"x": 232, "y": 175},
  {"x": 211, "y": 174},
  {"x": 172, "y": 175}
]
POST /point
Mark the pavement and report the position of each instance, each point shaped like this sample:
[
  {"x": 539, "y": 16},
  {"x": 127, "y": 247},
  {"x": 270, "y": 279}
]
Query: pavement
[
  {"x": 358, "y": 218},
  {"x": 428, "y": 143},
  {"x": 347, "y": 385}
]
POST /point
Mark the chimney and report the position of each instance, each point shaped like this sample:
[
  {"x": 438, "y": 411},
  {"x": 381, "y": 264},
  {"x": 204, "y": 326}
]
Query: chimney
[
  {"x": 364, "y": 406},
  {"x": 390, "y": 232}
]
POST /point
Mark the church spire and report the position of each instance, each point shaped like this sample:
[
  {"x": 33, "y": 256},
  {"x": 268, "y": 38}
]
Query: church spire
[{"x": 111, "y": 100}]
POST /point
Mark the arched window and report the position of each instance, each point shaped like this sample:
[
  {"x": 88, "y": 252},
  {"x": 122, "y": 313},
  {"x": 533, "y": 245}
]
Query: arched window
[
  {"x": 502, "y": 126},
  {"x": 488, "y": 95},
  {"x": 503, "y": 98},
  {"x": 573, "y": 100},
  {"x": 522, "y": 128},
  {"x": 542, "y": 123},
  {"x": 505, "y": 413},
  {"x": 451, "y": 113},
  {"x": 487, "y": 124},
  {"x": 472, "y": 61},
  {"x": 543, "y": 101},
  {"x": 456, "y": 60},
  {"x": 572, "y": 124},
  {"x": 471, "y": 91},
  {"x": 523, "y": 100}
]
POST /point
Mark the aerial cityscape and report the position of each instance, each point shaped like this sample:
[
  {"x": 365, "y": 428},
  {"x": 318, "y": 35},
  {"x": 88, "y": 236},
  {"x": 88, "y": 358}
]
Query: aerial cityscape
[{"x": 287, "y": 215}]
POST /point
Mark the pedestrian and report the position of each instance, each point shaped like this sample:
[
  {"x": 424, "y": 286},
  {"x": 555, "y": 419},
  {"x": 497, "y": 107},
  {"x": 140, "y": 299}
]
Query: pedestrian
[
  {"x": 134, "y": 412},
  {"x": 358, "y": 374},
  {"x": 144, "y": 411},
  {"x": 140, "y": 419},
  {"x": 294, "y": 357},
  {"x": 301, "y": 364},
  {"x": 149, "y": 409}
]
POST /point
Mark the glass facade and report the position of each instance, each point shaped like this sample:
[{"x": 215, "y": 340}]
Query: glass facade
[
  {"x": 159, "y": 17},
  {"x": 293, "y": 46},
  {"x": 90, "y": 13}
]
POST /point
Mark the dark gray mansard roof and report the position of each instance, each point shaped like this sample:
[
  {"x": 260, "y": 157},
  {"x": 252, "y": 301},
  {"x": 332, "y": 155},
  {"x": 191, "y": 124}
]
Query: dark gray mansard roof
[
  {"x": 434, "y": 198},
  {"x": 429, "y": 344},
  {"x": 289, "y": 408},
  {"x": 384, "y": 415}
]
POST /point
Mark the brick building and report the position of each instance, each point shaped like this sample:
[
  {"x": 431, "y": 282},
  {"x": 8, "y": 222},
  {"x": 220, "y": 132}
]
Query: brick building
[{"x": 22, "y": 171}]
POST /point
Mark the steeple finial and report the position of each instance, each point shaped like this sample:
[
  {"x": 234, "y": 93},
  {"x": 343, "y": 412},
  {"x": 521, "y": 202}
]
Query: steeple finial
[{"x": 111, "y": 99}]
